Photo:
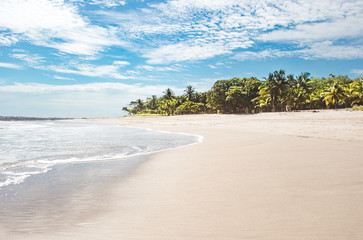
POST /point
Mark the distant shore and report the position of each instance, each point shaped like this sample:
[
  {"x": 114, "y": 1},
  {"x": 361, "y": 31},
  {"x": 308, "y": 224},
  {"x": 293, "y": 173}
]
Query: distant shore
[
  {"x": 13, "y": 118},
  {"x": 295, "y": 175}
]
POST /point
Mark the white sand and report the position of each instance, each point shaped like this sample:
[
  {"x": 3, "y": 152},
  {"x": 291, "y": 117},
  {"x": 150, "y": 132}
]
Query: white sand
[{"x": 266, "y": 176}]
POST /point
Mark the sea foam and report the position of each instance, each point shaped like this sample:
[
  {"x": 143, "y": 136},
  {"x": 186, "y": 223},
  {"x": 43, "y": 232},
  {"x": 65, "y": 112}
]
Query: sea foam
[{"x": 34, "y": 147}]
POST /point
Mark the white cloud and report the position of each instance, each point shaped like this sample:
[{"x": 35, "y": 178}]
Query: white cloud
[
  {"x": 158, "y": 69},
  {"x": 342, "y": 27},
  {"x": 7, "y": 39},
  {"x": 33, "y": 60},
  {"x": 184, "y": 30},
  {"x": 72, "y": 67},
  {"x": 32, "y": 16},
  {"x": 328, "y": 50},
  {"x": 187, "y": 30},
  {"x": 10, "y": 65},
  {"x": 54, "y": 24},
  {"x": 183, "y": 52},
  {"x": 316, "y": 50},
  {"x": 121, "y": 63},
  {"x": 89, "y": 70},
  {"x": 269, "y": 53},
  {"x": 132, "y": 72},
  {"x": 357, "y": 71},
  {"x": 62, "y": 78},
  {"x": 108, "y": 3}
]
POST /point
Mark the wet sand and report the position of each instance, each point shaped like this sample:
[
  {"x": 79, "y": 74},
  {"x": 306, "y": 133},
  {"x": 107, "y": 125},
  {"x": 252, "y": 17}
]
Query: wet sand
[{"x": 265, "y": 176}]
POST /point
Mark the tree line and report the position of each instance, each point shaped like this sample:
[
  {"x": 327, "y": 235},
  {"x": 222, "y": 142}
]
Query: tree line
[{"x": 277, "y": 92}]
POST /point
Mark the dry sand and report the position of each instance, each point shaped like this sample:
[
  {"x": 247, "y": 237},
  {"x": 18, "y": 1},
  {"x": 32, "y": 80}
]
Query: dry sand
[{"x": 265, "y": 176}]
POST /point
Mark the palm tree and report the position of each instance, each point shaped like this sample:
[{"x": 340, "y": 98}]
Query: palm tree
[
  {"x": 277, "y": 85},
  {"x": 137, "y": 106},
  {"x": 297, "y": 98},
  {"x": 189, "y": 92},
  {"x": 169, "y": 94},
  {"x": 269, "y": 88},
  {"x": 152, "y": 102},
  {"x": 263, "y": 101},
  {"x": 334, "y": 95},
  {"x": 358, "y": 92},
  {"x": 168, "y": 106},
  {"x": 281, "y": 87},
  {"x": 291, "y": 80},
  {"x": 302, "y": 80}
]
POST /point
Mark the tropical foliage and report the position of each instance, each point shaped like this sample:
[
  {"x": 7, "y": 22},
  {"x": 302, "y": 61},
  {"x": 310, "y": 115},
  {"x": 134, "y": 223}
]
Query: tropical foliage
[{"x": 277, "y": 92}]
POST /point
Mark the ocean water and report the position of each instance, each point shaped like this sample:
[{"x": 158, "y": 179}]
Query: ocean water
[{"x": 35, "y": 147}]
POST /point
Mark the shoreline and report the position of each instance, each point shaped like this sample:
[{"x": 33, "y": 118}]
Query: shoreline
[{"x": 267, "y": 176}]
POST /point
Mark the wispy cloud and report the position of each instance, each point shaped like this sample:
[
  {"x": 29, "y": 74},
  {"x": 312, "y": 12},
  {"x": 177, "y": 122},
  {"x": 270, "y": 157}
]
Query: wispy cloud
[
  {"x": 357, "y": 71},
  {"x": 74, "y": 67},
  {"x": 8, "y": 39},
  {"x": 32, "y": 60},
  {"x": 198, "y": 29},
  {"x": 329, "y": 50},
  {"x": 121, "y": 63},
  {"x": 159, "y": 69},
  {"x": 184, "y": 51},
  {"x": 107, "y": 3},
  {"x": 258, "y": 55},
  {"x": 318, "y": 31},
  {"x": 315, "y": 50},
  {"x": 62, "y": 78},
  {"x": 90, "y": 70},
  {"x": 184, "y": 30},
  {"x": 10, "y": 65},
  {"x": 55, "y": 24}
]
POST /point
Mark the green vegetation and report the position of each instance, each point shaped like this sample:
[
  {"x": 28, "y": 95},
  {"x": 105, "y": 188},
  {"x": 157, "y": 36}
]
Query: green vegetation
[
  {"x": 278, "y": 92},
  {"x": 357, "y": 108}
]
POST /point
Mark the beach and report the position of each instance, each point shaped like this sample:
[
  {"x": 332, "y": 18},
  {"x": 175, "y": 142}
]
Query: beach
[{"x": 296, "y": 175}]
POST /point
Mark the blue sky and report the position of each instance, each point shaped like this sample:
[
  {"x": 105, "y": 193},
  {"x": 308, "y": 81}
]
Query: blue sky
[{"x": 80, "y": 58}]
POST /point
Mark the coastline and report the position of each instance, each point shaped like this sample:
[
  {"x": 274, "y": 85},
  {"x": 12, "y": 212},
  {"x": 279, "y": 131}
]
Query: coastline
[{"x": 265, "y": 176}]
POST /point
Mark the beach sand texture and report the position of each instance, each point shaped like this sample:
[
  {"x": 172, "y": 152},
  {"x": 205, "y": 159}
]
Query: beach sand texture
[{"x": 271, "y": 176}]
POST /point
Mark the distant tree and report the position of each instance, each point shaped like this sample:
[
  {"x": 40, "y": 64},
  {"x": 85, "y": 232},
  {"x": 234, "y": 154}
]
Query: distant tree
[
  {"x": 236, "y": 99},
  {"x": 168, "y": 106},
  {"x": 297, "y": 98},
  {"x": 334, "y": 95},
  {"x": 251, "y": 89},
  {"x": 190, "y": 107},
  {"x": 126, "y": 110},
  {"x": 152, "y": 103},
  {"x": 216, "y": 97},
  {"x": 189, "y": 92},
  {"x": 263, "y": 101},
  {"x": 280, "y": 87},
  {"x": 279, "y": 92},
  {"x": 358, "y": 91},
  {"x": 137, "y": 106},
  {"x": 169, "y": 94},
  {"x": 298, "y": 91},
  {"x": 270, "y": 87},
  {"x": 180, "y": 100}
]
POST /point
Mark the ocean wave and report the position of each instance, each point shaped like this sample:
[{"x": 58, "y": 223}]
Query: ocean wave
[{"x": 37, "y": 148}]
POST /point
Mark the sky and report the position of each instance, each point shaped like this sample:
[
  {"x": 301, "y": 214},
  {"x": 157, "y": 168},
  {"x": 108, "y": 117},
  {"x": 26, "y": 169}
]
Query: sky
[{"x": 78, "y": 58}]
